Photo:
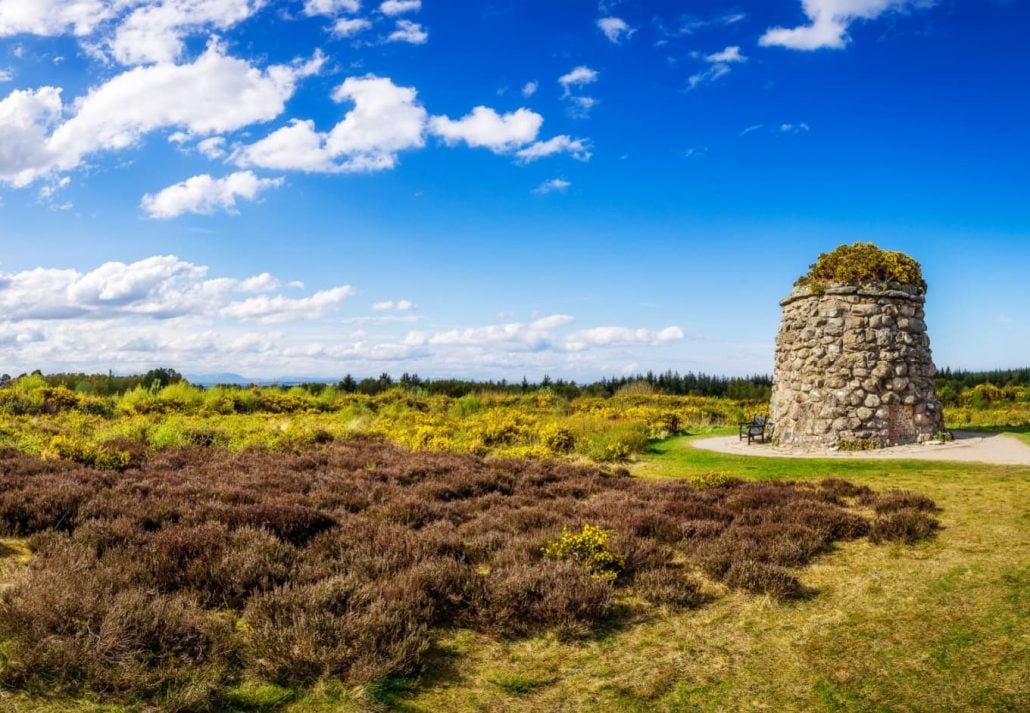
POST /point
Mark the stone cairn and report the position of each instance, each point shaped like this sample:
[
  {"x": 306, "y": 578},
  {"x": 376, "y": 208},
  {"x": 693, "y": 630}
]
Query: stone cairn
[{"x": 853, "y": 368}]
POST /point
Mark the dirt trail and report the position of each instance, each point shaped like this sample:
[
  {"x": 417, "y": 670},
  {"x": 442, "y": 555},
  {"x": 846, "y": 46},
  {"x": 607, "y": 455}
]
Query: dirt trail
[{"x": 967, "y": 447}]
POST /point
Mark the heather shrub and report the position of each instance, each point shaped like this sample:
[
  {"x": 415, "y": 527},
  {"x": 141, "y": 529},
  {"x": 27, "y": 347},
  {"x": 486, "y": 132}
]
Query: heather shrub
[
  {"x": 42, "y": 502},
  {"x": 296, "y": 524},
  {"x": 669, "y": 586},
  {"x": 763, "y": 578},
  {"x": 104, "y": 633},
  {"x": 561, "y": 596},
  {"x": 253, "y": 560},
  {"x": 340, "y": 626},
  {"x": 894, "y": 500},
  {"x": 344, "y": 560},
  {"x": 906, "y": 526}
]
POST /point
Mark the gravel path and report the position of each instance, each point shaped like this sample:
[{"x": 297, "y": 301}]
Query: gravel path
[{"x": 967, "y": 447}]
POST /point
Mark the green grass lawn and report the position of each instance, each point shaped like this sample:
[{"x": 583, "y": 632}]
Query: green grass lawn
[{"x": 938, "y": 626}]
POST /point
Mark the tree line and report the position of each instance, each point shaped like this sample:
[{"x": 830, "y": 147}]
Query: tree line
[{"x": 757, "y": 387}]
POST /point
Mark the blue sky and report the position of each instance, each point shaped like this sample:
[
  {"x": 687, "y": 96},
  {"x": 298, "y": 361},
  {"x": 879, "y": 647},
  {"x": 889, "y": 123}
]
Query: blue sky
[{"x": 497, "y": 189}]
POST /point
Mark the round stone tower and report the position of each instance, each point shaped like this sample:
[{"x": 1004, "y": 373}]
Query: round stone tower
[{"x": 853, "y": 362}]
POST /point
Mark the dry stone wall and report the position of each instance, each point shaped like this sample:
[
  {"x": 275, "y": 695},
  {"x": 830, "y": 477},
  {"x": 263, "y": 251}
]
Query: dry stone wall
[{"x": 854, "y": 369}]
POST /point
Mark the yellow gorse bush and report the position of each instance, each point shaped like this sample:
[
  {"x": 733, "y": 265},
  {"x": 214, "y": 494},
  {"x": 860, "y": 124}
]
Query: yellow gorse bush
[
  {"x": 863, "y": 264},
  {"x": 589, "y": 548},
  {"x": 609, "y": 430}
]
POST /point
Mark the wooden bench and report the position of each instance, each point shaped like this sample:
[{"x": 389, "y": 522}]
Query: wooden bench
[{"x": 755, "y": 430}]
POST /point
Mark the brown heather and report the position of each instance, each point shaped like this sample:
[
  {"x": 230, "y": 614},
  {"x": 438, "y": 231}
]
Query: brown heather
[{"x": 169, "y": 582}]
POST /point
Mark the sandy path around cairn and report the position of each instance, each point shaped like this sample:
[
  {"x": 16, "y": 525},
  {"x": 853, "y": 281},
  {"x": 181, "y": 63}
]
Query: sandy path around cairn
[{"x": 967, "y": 447}]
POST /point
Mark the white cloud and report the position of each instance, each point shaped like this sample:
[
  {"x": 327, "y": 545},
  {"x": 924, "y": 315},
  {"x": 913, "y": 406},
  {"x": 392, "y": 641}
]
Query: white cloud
[
  {"x": 398, "y": 305},
  {"x": 54, "y": 17},
  {"x": 719, "y": 66},
  {"x": 125, "y": 298},
  {"x": 165, "y": 311},
  {"x": 563, "y": 143},
  {"x": 155, "y": 31},
  {"x": 408, "y": 31},
  {"x": 621, "y": 336},
  {"x": 829, "y": 21},
  {"x": 516, "y": 335},
  {"x": 553, "y": 321},
  {"x": 6, "y": 75},
  {"x": 160, "y": 287},
  {"x": 716, "y": 71},
  {"x": 578, "y": 77},
  {"x": 399, "y": 7},
  {"x": 728, "y": 55},
  {"x": 264, "y": 282},
  {"x": 794, "y": 128},
  {"x": 485, "y": 128},
  {"x": 214, "y": 94},
  {"x": 213, "y": 148},
  {"x": 330, "y": 7},
  {"x": 347, "y": 27},
  {"x": 553, "y": 185},
  {"x": 385, "y": 120},
  {"x": 268, "y": 310},
  {"x": 615, "y": 29},
  {"x": 204, "y": 195},
  {"x": 26, "y": 117},
  {"x": 581, "y": 76},
  {"x": 529, "y": 89}
]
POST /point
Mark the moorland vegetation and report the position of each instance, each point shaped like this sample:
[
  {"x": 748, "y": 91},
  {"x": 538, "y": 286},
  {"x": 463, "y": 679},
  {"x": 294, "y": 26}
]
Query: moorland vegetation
[
  {"x": 203, "y": 569},
  {"x": 42, "y": 416}
]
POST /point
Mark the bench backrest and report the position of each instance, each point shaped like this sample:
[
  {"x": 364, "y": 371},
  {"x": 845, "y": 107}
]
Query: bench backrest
[{"x": 760, "y": 421}]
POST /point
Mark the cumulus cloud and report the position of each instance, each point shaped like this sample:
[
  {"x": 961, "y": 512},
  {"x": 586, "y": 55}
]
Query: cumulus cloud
[
  {"x": 6, "y": 75},
  {"x": 268, "y": 310},
  {"x": 621, "y": 336},
  {"x": 330, "y": 7},
  {"x": 26, "y": 118},
  {"x": 213, "y": 147},
  {"x": 134, "y": 31},
  {"x": 399, "y": 7},
  {"x": 578, "y": 77},
  {"x": 529, "y": 89},
  {"x": 155, "y": 31},
  {"x": 54, "y": 17},
  {"x": 385, "y": 120},
  {"x": 347, "y": 26},
  {"x": 160, "y": 287},
  {"x": 214, "y": 94},
  {"x": 264, "y": 282},
  {"x": 615, "y": 29},
  {"x": 164, "y": 310},
  {"x": 408, "y": 31},
  {"x": 828, "y": 22},
  {"x": 485, "y": 128},
  {"x": 515, "y": 335},
  {"x": 204, "y": 195}
]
